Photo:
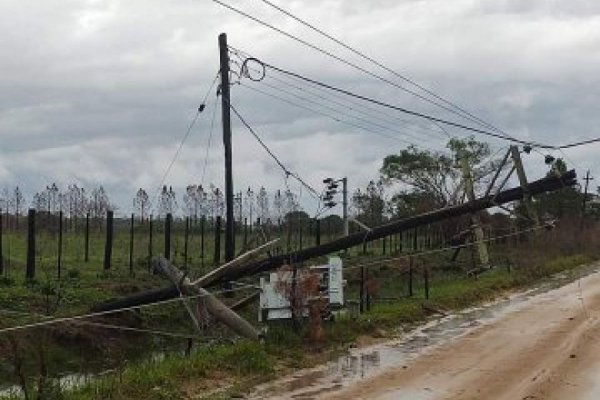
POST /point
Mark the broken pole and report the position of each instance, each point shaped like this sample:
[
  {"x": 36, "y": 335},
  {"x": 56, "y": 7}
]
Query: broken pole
[
  {"x": 214, "y": 306},
  {"x": 546, "y": 184}
]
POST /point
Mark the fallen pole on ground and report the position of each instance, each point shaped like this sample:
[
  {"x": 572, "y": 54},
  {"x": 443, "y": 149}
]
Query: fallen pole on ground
[{"x": 547, "y": 184}]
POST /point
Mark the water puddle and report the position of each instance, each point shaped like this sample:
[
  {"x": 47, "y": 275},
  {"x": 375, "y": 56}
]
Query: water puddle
[{"x": 359, "y": 364}]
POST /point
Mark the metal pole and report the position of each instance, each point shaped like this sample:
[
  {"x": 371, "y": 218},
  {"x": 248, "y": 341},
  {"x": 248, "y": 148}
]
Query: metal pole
[{"x": 226, "y": 118}]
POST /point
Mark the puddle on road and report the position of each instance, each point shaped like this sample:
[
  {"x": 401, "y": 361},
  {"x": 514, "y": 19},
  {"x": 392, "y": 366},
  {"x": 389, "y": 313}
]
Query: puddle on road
[{"x": 359, "y": 364}]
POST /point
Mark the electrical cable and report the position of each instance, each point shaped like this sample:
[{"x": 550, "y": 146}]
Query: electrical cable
[
  {"x": 334, "y": 118},
  {"x": 100, "y": 313},
  {"x": 184, "y": 138},
  {"x": 349, "y": 103},
  {"x": 401, "y": 109},
  {"x": 381, "y": 65},
  {"x": 268, "y": 150},
  {"x": 342, "y": 60}
]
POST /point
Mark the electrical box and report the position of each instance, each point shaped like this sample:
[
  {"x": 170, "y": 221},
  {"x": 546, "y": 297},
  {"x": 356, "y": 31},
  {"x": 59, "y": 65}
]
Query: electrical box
[{"x": 274, "y": 297}]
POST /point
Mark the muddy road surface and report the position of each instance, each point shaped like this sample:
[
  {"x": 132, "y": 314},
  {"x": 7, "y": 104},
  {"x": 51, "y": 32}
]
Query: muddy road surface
[{"x": 541, "y": 344}]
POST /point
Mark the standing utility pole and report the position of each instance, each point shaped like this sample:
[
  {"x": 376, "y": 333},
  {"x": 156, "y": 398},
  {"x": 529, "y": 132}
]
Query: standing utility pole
[
  {"x": 587, "y": 180},
  {"x": 484, "y": 256},
  {"x": 226, "y": 118}
]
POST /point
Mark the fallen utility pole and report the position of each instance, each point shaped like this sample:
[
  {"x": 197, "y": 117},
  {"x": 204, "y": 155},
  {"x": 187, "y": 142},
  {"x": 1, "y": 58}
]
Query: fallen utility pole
[
  {"x": 214, "y": 306},
  {"x": 547, "y": 184}
]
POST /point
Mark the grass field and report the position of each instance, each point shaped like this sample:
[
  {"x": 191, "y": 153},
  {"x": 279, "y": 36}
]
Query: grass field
[{"x": 220, "y": 358}]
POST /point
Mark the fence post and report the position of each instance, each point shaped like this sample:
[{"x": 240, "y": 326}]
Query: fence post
[
  {"x": 60, "y": 246},
  {"x": 245, "y": 233},
  {"x": 362, "y": 290},
  {"x": 426, "y": 279},
  {"x": 186, "y": 235},
  {"x": 109, "y": 240},
  {"x": 86, "y": 245},
  {"x": 131, "y": 245},
  {"x": 150, "y": 243},
  {"x": 410, "y": 276},
  {"x": 30, "y": 271},
  {"x": 167, "y": 248},
  {"x": 1, "y": 250},
  {"x": 318, "y": 232},
  {"x": 202, "y": 226},
  {"x": 217, "y": 254}
]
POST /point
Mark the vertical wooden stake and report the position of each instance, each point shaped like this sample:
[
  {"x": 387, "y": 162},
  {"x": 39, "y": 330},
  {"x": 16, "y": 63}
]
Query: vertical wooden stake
[
  {"x": 426, "y": 280},
  {"x": 1, "y": 250},
  {"x": 150, "y": 242},
  {"x": 245, "y": 233},
  {"x": 318, "y": 232},
  {"x": 109, "y": 240},
  {"x": 202, "y": 228},
  {"x": 362, "y": 290},
  {"x": 30, "y": 271},
  {"x": 60, "y": 245},
  {"x": 86, "y": 245},
  {"x": 217, "y": 253},
  {"x": 131, "y": 245},
  {"x": 410, "y": 276},
  {"x": 168, "y": 223},
  {"x": 186, "y": 234}
]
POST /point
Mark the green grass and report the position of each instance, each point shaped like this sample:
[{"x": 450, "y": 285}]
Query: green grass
[{"x": 238, "y": 364}]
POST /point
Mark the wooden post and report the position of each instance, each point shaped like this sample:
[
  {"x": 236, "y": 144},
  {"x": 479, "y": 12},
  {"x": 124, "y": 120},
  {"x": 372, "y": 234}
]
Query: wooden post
[
  {"x": 86, "y": 245},
  {"x": 186, "y": 234},
  {"x": 410, "y": 276},
  {"x": 1, "y": 250},
  {"x": 217, "y": 253},
  {"x": 202, "y": 228},
  {"x": 131, "y": 244},
  {"x": 30, "y": 271},
  {"x": 383, "y": 250},
  {"x": 109, "y": 240},
  {"x": 150, "y": 242},
  {"x": 168, "y": 223},
  {"x": 426, "y": 281},
  {"x": 245, "y": 232},
  {"x": 362, "y": 290},
  {"x": 60, "y": 240}
]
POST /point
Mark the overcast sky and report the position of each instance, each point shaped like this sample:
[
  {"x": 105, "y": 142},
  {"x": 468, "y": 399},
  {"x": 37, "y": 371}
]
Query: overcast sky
[{"x": 101, "y": 92}]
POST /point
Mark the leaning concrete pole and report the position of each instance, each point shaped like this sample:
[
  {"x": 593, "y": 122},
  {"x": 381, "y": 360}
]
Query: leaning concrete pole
[{"x": 216, "y": 308}]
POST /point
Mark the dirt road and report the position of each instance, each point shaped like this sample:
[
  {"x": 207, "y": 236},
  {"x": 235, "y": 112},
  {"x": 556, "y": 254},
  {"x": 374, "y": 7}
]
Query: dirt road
[
  {"x": 547, "y": 349},
  {"x": 531, "y": 346}
]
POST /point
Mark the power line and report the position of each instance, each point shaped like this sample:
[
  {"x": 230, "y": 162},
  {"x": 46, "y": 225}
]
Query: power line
[
  {"x": 185, "y": 136},
  {"x": 268, "y": 150},
  {"x": 400, "y": 109},
  {"x": 334, "y": 118},
  {"x": 342, "y": 60},
  {"x": 381, "y": 65},
  {"x": 350, "y": 103},
  {"x": 347, "y": 115},
  {"x": 101, "y": 313}
]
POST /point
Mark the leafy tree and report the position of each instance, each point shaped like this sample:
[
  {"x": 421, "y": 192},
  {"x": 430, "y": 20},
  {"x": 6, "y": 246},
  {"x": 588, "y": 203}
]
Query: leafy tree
[
  {"x": 370, "y": 204},
  {"x": 437, "y": 175}
]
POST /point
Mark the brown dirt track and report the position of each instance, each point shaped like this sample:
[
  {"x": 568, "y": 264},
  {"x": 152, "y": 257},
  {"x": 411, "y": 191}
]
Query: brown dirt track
[{"x": 547, "y": 349}]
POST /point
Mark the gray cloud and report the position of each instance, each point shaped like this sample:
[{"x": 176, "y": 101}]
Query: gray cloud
[{"x": 100, "y": 92}]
